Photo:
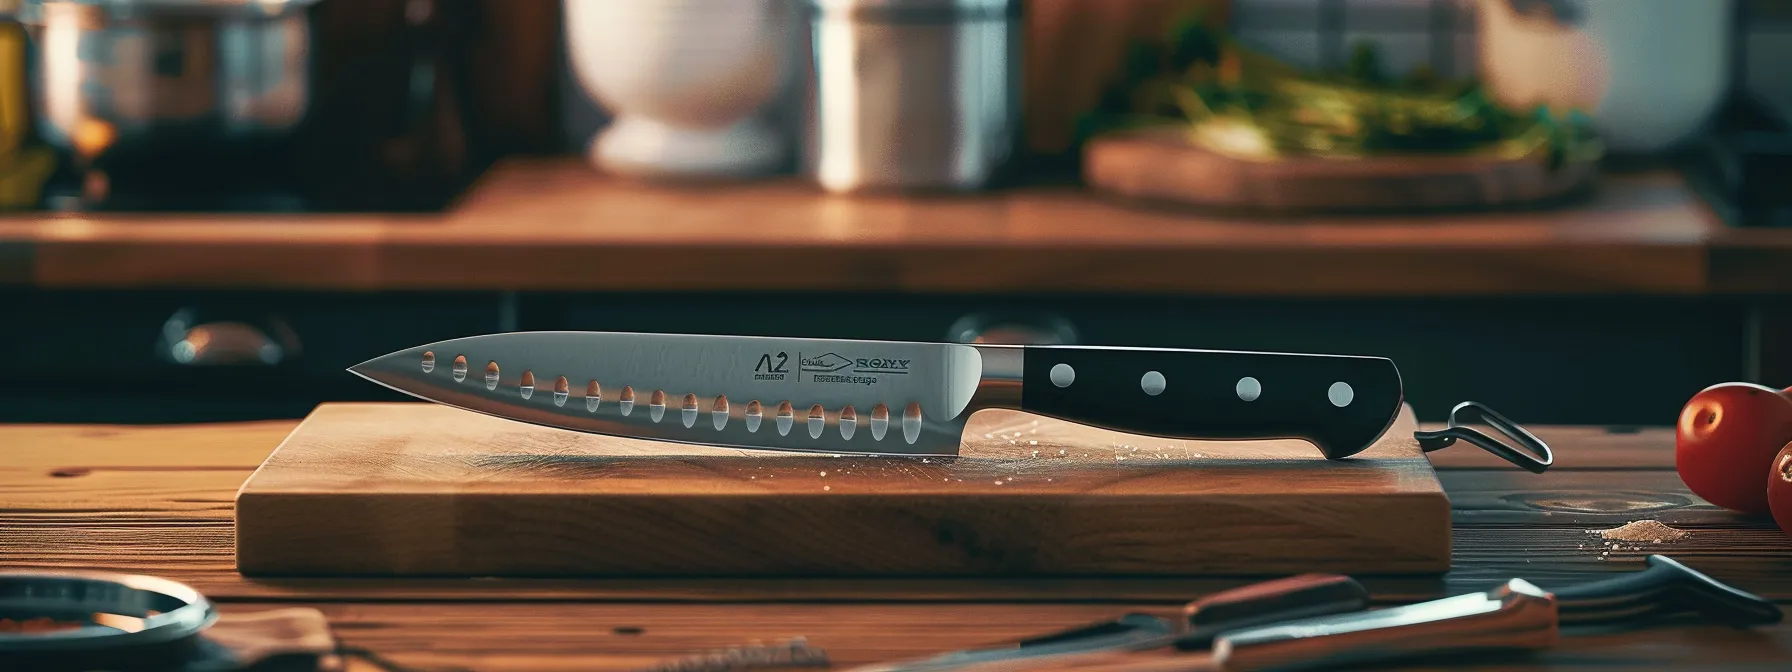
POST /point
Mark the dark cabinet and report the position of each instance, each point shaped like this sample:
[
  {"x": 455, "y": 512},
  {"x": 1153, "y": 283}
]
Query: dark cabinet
[
  {"x": 1568, "y": 361},
  {"x": 181, "y": 356},
  {"x": 118, "y": 356}
]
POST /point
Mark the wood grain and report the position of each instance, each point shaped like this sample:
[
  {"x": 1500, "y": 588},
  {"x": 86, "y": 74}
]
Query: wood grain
[
  {"x": 554, "y": 225},
  {"x": 420, "y": 489},
  {"x": 1164, "y": 165},
  {"x": 1507, "y": 524}
]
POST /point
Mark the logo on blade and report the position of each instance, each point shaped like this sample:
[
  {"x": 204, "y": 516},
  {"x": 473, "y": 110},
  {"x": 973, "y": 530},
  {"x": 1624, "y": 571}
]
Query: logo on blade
[
  {"x": 880, "y": 365},
  {"x": 825, "y": 363},
  {"x": 771, "y": 369}
]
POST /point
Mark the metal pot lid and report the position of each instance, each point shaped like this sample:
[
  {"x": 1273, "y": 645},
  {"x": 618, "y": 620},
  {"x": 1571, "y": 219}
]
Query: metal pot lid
[
  {"x": 139, "y": 8},
  {"x": 47, "y": 612}
]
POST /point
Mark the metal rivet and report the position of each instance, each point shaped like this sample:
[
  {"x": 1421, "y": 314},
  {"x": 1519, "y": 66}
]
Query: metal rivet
[
  {"x": 1248, "y": 388},
  {"x": 1063, "y": 375},
  {"x": 1340, "y": 394},
  {"x": 1153, "y": 383}
]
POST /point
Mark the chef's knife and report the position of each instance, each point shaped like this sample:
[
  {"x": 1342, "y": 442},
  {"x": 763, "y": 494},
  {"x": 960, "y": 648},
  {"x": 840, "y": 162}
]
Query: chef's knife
[{"x": 888, "y": 397}]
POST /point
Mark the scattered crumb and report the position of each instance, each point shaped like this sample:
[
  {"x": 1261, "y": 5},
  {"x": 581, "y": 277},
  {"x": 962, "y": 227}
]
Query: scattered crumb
[
  {"x": 827, "y": 487},
  {"x": 1032, "y": 443},
  {"x": 628, "y": 630},
  {"x": 1641, "y": 531},
  {"x": 824, "y": 473}
]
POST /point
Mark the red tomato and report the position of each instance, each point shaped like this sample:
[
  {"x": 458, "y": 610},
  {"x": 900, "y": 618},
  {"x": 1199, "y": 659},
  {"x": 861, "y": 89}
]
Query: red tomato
[
  {"x": 1779, "y": 489},
  {"x": 1726, "y": 440}
]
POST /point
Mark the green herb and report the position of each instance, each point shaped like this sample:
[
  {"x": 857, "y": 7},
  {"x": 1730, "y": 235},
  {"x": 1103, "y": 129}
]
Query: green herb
[{"x": 1239, "y": 101}]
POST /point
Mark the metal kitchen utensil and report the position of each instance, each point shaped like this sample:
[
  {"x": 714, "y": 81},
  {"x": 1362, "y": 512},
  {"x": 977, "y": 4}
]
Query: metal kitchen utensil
[
  {"x": 97, "y": 621},
  {"x": 1513, "y": 616},
  {"x": 1533, "y": 454},
  {"x": 135, "y": 77},
  {"x": 913, "y": 94},
  {"x": 1267, "y": 602},
  {"x": 886, "y": 397}
]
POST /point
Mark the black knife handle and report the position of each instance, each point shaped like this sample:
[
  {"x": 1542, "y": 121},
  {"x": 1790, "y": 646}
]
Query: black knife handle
[{"x": 1339, "y": 403}]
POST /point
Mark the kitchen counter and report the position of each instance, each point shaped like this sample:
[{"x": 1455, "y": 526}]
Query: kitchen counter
[
  {"x": 158, "y": 500},
  {"x": 555, "y": 225}
]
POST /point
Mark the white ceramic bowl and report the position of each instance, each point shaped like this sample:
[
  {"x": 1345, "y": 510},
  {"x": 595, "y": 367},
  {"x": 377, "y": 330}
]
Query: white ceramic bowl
[
  {"x": 1649, "y": 72},
  {"x": 688, "y": 82}
]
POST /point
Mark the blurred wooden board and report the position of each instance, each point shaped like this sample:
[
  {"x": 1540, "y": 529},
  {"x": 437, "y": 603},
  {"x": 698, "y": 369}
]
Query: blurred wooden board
[
  {"x": 1161, "y": 164},
  {"x": 418, "y": 489}
]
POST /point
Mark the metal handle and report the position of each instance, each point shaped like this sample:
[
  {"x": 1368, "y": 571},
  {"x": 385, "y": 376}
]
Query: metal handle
[
  {"x": 1012, "y": 329},
  {"x": 1667, "y": 588},
  {"x": 190, "y": 342},
  {"x": 1537, "y": 460}
]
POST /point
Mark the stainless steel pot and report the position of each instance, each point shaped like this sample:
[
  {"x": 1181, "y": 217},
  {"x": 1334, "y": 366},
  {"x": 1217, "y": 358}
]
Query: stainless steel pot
[
  {"x": 914, "y": 94},
  {"x": 139, "y": 76}
]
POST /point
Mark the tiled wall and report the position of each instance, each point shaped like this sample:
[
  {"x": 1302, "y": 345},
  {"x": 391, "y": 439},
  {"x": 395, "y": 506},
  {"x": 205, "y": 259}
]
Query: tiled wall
[{"x": 1442, "y": 33}]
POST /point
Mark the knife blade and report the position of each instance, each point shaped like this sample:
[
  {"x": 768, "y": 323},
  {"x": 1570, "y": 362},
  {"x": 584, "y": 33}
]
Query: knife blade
[{"x": 889, "y": 397}]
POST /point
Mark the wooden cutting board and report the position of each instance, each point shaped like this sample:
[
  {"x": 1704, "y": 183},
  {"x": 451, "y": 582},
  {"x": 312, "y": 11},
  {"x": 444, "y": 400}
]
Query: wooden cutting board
[
  {"x": 1161, "y": 165},
  {"x": 420, "y": 489}
]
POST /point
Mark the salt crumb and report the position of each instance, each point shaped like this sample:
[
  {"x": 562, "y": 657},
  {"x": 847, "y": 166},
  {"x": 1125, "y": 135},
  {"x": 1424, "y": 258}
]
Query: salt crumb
[
  {"x": 827, "y": 487},
  {"x": 998, "y": 481},
  {"x": 1641, "y": 530},
  {"x": 1061, "y": 453},
  {"x": 824, "y": 473},
  {"x": 1032, "y": 443},
  {"x": 1035, "y": 453}
]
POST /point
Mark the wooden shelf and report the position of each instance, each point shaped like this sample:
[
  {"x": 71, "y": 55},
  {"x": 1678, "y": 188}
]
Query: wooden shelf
[{"x": 553, "y": 225}]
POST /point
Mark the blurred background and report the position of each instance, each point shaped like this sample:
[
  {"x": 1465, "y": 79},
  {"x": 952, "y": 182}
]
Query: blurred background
[{"x": 1573, "y": 210}]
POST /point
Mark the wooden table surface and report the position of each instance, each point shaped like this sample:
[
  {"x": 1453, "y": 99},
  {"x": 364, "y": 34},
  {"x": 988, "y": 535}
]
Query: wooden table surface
[
  {"x": 554, "y": 225},
  {"x": 158, "y": 500}
]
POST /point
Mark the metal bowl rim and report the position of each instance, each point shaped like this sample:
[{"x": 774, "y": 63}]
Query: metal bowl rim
[{"x": 195, "y": 615}]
